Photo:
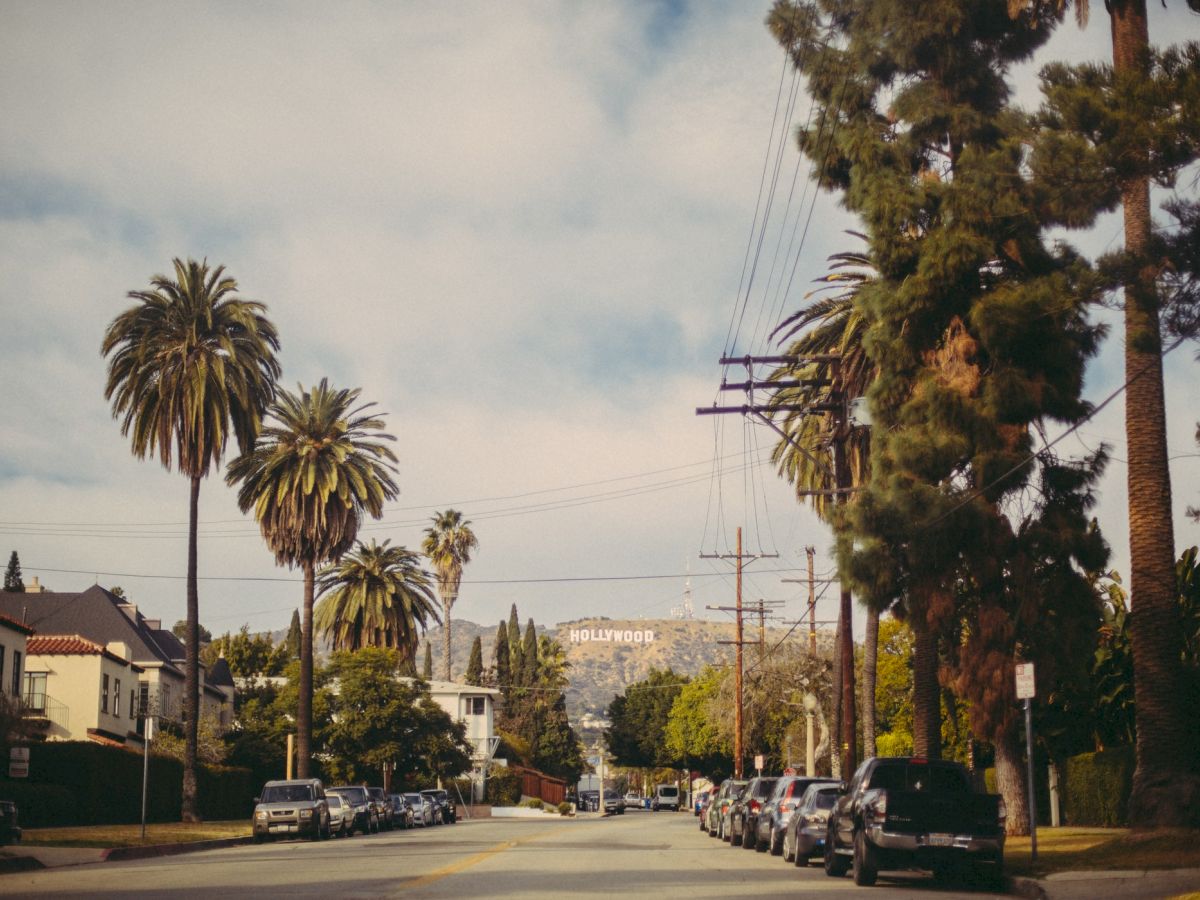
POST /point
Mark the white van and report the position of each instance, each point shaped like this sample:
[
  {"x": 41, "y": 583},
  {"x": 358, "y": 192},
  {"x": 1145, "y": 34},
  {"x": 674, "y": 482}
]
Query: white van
[{"x": 666, "y": 796}]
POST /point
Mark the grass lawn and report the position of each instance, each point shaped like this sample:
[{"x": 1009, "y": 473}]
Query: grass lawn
[
  {"x": 1081, "y": 849},
  {"x": 131, "y": 835}
]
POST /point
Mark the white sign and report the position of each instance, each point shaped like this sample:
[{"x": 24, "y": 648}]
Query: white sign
[
  {"x": 18, "y": 762},
  {"x": 758, "y": 762},
  {"x": 616, "y": 635},
  {"x": 1025, "y": 684}
]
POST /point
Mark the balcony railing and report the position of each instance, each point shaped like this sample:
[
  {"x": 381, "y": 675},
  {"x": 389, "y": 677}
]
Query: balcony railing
[{"x": 40, "y": 705}]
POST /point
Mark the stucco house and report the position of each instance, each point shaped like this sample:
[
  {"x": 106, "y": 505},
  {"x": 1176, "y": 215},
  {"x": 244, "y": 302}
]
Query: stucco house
[
  {"x": 475, "y": 707},
  {"x": 13, "y": 639}
]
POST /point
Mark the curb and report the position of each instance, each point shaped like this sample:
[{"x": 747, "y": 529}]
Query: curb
[
  {"x": 122, "y": 853},
  {"x": 1030, "y": 888}
]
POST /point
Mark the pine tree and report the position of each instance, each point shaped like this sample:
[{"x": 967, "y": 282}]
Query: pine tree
[
  {"x": 12, "y": 576},
  {"x": 516, "y": 664},
  {"x": 980, "y": 335},
  {"x": 294, "y": 636},
  {"x": 500, "y": 658},
  {"x": 427, "y": 668},
  {"x": 475, "y": 664}
]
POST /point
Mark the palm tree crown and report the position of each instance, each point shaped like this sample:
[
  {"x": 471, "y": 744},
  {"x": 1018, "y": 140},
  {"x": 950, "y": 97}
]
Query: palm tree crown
[
  {"x": 188, "y": 361},
  {"x": 448, "y": 544},
  {"x": 315, "y": 473},
  {"x": 377, "y": 596}
]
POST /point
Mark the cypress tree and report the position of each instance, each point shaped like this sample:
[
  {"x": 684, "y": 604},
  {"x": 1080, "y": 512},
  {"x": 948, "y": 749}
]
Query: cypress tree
[
  {"x": 529, "y": 656},
  {"x": 475, "y": 664},
  {"x": 500, "y": 659},
  {"x": 980, "y": 336},
  {"x": 427, "y": 668},
  {"x": 12, "y": 576},
  {"x": 516, "y": 664},
  {"x": 294, "y": 636}
]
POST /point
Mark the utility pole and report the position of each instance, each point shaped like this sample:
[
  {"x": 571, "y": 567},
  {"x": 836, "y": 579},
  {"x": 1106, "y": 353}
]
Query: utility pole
[
  {"x": 812, "y": 602},
  {"x": 738, "y": 642}
]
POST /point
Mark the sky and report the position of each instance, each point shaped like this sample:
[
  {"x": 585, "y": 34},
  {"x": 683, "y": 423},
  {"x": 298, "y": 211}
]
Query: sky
[{"x": 519, "y": 228}]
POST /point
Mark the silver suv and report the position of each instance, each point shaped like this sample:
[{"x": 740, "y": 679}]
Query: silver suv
[{"x": 292, "y": 808}]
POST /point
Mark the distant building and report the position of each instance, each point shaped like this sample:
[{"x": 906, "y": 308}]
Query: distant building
[
  {"x": 685, "y": 610},
  {"x": 13, "y": 639},
  {"x": 475, "y": 707}
]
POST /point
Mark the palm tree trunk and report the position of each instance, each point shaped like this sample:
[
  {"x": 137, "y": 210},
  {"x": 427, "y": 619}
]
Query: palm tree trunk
[
  {"x": 1166, "y": 785},
  {"x": 870, "y": 661},
  {"x": 447, "y": 603},
  {"x": 1010, "y": 781},
  {"x": 191, "y": 683},
  {"x": 835, "y": 712},
  {"x": 927, "y": 707},
  {"x": 304, "y": 707}
]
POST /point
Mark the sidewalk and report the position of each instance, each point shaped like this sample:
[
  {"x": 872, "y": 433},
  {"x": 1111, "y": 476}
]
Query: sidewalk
[
  {"x": 1115, "y": 885},
  {"x": 23, "y": 857}
]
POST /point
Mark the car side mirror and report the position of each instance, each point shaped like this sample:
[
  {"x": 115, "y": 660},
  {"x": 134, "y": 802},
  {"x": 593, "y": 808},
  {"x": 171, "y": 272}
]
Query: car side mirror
[
  {"x": 843, "y": 787},
  {"x": 257, "y": 800}
]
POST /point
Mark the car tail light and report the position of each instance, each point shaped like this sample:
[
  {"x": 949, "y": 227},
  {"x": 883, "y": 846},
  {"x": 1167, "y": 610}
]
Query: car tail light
[
  {"x": 755, "y": 806},
  {"x": 786, "y": 807}
]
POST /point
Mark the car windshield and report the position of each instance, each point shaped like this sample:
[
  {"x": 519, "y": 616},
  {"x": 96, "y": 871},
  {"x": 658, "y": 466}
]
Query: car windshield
[
  {"x": 334, "y": 801},
  {"x": 287, "y": 793},
  {"x": 414, "y": 798},
  {"x": 824, "y": 799},
  {"x": 668, "y": 792},
  {"x": 351, "y": 794},
  {"x": 764, "y": 787}
]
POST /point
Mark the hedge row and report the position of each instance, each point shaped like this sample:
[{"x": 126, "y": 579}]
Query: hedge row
[
  {"x": 84, "y": 783},
  {"x": 1098, "y": 786}
]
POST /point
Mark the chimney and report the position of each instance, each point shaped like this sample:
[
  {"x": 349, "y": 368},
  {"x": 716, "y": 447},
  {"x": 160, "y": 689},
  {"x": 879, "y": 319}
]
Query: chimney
[
  {"x": 118, "y": 648},
  {"x": 130, "y": 610},
  {"x": 34, "y": 586}
]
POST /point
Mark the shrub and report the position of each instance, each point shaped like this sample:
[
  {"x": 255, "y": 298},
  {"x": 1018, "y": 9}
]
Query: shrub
[
  {"x": 38, "y": 805},
  {"x": 533, "y": 803},
  {"x": 503, "y": 787},
  {"x": 1097, "y": 787},
  {"x": 564, "y": 808}
]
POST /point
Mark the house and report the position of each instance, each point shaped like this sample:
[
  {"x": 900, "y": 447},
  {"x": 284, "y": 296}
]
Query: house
[
  {"x": 78, "y": 690},
  {"x": 116, "y": 625},
  {"x": 475, "y": 707},
  {"x": 13, "y": 638}
]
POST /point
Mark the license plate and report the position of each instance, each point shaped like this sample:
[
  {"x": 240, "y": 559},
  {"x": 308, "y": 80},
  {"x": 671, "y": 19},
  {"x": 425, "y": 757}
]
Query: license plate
[{"x": 941, "y": 840}]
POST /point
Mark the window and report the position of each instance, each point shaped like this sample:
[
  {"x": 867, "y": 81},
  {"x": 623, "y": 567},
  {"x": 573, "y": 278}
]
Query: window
[
  {"x": 1, "y": 668},
  {"x": 116, "y": 696},
  {"x": 132, "y": 704},
  {"x": 16, "y": 673},
  {"x": 475, "y": 706},
  {"x": 104, "y": 692},
  {"x": 35, "y": 691}
]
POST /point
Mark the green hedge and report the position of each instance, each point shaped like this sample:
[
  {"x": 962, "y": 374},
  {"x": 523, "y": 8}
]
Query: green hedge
[
  {"x": 503, "y": 787},
  {"x": 95, "y": 784},
  {"x": 1097, "y": 788}
]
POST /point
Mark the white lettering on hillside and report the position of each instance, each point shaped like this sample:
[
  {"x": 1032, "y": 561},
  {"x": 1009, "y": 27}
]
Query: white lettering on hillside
[{"x": 616, "y": 636}]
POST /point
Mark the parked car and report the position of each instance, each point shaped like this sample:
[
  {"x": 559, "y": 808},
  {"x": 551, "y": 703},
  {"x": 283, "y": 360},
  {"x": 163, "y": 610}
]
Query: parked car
[
  {"x": 612, "y": 802},
  {"x": 446, "y": 804},
  {"x": 10, "y": 830},
  {"x": 366, "y": 819},
  {"x": 911, "y": 812},
  {"x": 719, "y": 807},
  {"x": 422, "y": 807},
  {"x": 402, "y": 814},
  {"x": 700, "y": 804},
  {"x": 383, "y": 808},
  {"x": 744, "y": 811},
  {"x": 777, "y": 812},
  {"x": 341, "y": 815},
  {"x": 666, "y": 796},
  {"x": 632, "y": 800},
  {"x": 294, "y": 808},
  {"x": 703, "y": 802},
  {"x": 805, "y": 835}
]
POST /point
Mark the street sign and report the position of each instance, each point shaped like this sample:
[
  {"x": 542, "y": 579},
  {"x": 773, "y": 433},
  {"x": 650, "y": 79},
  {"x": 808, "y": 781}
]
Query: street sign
[
  {"x": 758, "y": 761},
  {"x": 1025, "y": 684},
  {"x": 18, "y": 762}
]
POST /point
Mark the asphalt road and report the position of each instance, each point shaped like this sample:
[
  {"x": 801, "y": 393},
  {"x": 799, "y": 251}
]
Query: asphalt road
[{"x": 640, "y": 854}]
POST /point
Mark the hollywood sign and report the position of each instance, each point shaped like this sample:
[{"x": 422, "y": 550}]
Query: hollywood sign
[{"x": 615, "y": 635}]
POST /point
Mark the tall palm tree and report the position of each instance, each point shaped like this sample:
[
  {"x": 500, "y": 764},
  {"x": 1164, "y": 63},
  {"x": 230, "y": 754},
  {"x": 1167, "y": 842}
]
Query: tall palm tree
[
  {"x": 189, "y": 362},
  {"x": 448, "y": 544},
  {"x": 1166, "y": 782},
  {"x": 320, "y": 466},
  {"x": 830, "y": 325},
  {"x": 377, "y": 596}
]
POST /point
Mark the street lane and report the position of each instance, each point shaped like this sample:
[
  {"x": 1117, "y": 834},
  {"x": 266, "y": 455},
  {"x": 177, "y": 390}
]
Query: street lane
[{"x": 640, "y": 854}]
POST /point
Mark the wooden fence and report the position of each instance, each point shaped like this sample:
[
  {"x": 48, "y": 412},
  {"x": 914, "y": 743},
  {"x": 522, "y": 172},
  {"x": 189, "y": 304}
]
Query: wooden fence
[{"x": 538, "y": 784}]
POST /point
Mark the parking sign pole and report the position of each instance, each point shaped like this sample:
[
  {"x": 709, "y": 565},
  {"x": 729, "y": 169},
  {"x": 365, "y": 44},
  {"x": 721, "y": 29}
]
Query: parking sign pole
[{"x": 1029, "y": 777}]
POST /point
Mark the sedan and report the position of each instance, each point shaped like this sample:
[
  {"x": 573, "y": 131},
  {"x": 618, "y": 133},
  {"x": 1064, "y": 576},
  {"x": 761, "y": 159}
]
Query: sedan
[
  {"x": 777, "y": 811},
  {"x": 422, "y": 809},
  {"x": 401, "y": 813},
  {"x": 341, "y": 816},
  {"x": 805, "y": 835}
]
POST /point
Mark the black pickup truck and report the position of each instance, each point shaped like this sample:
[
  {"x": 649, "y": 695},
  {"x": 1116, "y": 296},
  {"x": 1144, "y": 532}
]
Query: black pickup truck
[{"x": 909, "y": 812}]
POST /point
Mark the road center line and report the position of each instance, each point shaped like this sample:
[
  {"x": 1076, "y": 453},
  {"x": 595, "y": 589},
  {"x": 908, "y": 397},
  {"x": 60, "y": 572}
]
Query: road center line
[{"x": 463, "y": 864}]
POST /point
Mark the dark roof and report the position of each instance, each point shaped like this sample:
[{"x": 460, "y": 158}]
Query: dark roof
[
  {"x": 219, "y": 674},
  {"x": 95, "y": 614},
  {"x": 170, "y": 645},
  {"x": 15, "y": 625}
]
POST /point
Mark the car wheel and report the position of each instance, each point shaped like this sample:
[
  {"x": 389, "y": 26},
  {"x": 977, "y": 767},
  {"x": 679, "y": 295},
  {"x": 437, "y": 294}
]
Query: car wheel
[
  {"x": 258, "y": 838},
  {"x": 735, "y": 840},
  {"x": 788, "y": 855},
  {"x": 775, "y": 843},
  {"x": 835, "y": 865},
  {"x": 866, "y": 867},
  {"x": 750, "y": 839}
]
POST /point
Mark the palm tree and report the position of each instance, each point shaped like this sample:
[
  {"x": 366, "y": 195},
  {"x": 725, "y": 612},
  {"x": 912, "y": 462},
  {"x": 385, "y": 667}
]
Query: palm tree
[
  {"x": 189, "y": 361},
  {"x": 830, "y": 325},
  {"x": 448, "y": 544},
  {"x": 1166, "y": 776},
  {"x": 317, "y": 470},
  {"x": 377, "y": 596}
]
